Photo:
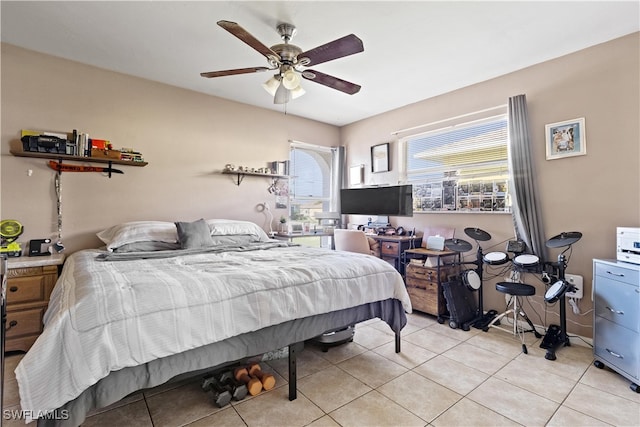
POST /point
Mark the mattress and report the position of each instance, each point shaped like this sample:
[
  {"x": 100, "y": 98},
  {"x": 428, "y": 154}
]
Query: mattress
[{"x": 108, "y": 316}]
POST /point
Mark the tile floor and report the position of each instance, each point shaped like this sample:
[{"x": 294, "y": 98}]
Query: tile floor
[{"x": 442, "y": 377}]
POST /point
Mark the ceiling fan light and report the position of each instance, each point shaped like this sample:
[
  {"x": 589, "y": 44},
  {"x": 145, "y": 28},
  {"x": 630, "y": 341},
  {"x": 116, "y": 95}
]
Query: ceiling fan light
[
  {"x": 282, "y": 96},
  {"x": 271, "y": 85},
  {"x": 290, "y": 79},
  {"x": 297, "y": 92}
]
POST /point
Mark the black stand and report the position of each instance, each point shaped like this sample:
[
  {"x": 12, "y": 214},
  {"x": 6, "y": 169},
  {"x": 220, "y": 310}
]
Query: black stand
[
  {"x": 294, "y": 350},
  {"x": 556, "y": 336},
  {"x": 482, "y": 320}
]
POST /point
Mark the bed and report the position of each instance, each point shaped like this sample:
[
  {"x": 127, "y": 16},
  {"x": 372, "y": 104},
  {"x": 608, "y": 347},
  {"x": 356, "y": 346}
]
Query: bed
[{"x": 162, "y": 300}]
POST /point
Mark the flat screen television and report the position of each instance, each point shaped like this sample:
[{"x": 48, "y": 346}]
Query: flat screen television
[{"x": 395, "y": 200}]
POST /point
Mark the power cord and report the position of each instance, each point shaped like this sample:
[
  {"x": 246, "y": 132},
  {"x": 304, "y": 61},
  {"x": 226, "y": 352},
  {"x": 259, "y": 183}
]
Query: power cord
[
  {"x": 581, "y": 339},
  {"x": 574, "y": 305},
  {"x": 547, "y": 305}
]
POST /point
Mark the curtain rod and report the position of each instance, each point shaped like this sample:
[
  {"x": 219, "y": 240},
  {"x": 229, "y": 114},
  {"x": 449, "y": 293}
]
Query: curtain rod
[{"x": 448, "y": 119}]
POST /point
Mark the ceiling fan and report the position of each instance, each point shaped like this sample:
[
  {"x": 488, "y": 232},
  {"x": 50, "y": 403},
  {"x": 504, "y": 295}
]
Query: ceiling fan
[{"x": 289, "y": 61}]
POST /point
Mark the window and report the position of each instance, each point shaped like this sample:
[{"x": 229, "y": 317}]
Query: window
[
  {"x": 310, "y": 186},
  {"x": 461, "y": 168}
]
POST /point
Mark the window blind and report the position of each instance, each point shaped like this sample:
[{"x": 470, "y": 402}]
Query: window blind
[{"x": 460, "y": 168}]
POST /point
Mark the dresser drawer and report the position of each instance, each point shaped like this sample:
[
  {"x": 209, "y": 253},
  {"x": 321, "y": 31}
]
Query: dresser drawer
[
  {"x": 390, "y": 248},
  {"x": 26, "y": 289},
  {"x": 32, "y": 271},
  {"x": 617, "y": 346},
  {"x": 618, "y": 302},
  {"x": 29, "y": 285},
  {"x": 26, "y": 322},
  {"x": 618, "y": 273}
]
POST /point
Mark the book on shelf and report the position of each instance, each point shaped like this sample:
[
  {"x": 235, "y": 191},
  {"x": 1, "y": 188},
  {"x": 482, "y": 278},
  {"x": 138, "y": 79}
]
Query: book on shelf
[{"x": 75, "y": 143}]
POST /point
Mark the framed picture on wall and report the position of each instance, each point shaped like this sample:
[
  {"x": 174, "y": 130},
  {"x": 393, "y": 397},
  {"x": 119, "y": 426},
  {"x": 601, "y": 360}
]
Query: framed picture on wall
[
  {"x": 356, "y": 175},
  {"x": 566, "y": 139},
  {"x": 380, "y": 158}
]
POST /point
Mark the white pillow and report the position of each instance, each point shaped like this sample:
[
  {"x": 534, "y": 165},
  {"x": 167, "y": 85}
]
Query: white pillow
[
  {"x": 230, "y": 227},
  {"x": 138, "y": 231}
]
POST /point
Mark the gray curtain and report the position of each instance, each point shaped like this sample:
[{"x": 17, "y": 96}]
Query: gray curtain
[{"x": 527, "y": 219}]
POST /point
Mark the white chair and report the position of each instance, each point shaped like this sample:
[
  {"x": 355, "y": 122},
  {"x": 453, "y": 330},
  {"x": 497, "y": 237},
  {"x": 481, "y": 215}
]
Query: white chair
[{"x": 352, "y": 241}]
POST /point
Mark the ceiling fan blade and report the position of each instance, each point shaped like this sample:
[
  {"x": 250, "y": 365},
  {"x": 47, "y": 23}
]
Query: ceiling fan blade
[
  {"x": 345, "y": 46},
  {"x": 332, "y": 82},
  {"x": 233, "y": 72},
  {"x": 244, "y": 35}
]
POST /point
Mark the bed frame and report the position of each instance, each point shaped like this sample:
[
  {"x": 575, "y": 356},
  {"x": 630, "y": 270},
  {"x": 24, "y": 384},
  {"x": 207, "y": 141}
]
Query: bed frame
[{"x": 293, "y": 333}]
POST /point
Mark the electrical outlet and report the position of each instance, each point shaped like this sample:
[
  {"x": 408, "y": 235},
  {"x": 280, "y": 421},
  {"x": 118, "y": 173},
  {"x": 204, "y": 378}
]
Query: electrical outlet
[{"x": 576, "y": 281}]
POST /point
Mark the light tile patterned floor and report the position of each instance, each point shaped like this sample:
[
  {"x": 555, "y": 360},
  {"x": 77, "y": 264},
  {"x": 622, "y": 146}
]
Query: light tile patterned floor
[{"x": 443, "y": 377}]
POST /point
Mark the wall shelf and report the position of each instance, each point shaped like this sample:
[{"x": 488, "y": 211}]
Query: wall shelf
[
  {"x": 56, "y": 156},
  {"x": 241, "y": 174}
]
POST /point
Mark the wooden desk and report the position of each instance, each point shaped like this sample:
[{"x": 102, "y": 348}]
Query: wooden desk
[
  {"x": 291, "y": 236},
  {"x": 392, "y": 248}
]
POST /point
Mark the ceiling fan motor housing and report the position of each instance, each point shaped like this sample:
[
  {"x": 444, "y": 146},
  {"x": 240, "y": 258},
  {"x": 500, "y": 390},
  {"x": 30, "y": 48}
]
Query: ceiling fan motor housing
[{"x": 288, "y": 52}]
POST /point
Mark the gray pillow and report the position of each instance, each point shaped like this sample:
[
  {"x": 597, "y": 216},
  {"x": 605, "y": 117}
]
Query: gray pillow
[{"x": 194, "y": 234}]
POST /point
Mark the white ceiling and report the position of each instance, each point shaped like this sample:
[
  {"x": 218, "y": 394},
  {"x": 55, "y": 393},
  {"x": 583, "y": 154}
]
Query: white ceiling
[{"x": 413, "y": 50}]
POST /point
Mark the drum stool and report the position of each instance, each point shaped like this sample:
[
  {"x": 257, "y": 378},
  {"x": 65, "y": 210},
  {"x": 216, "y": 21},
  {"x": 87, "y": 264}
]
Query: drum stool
[{"x": 516, "y": 290}]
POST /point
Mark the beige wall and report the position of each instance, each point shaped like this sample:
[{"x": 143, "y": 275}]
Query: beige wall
[
  {"x": 185, "y": 136},
  {"x": 592, "y": 194}
]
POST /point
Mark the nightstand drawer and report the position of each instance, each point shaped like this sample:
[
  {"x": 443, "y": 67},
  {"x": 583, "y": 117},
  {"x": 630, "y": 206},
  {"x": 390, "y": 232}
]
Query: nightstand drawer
[
  {"x": 422, "y": 283},
  {"x": 27, "y": 322},
  {"x": 26, "y": 289},
  {"x": 390, "y": 248},
  {"x": 426, "y": 273},
  {"x": 426, "y": 301}
]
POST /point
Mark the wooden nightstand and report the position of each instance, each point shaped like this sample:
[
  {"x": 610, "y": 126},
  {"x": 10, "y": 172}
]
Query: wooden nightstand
[
  {"x": 424, "y": 283},
  {"x": 30, "y": 281}
]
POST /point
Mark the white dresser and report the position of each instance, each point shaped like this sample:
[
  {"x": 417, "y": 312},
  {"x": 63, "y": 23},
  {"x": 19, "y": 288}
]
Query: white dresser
[{"x": 616, "y": 323}]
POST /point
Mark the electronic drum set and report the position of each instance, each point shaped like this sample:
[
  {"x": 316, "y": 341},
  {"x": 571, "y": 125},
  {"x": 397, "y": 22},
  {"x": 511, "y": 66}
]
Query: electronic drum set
[
  {"x": 472, "y": 278},
  {"x": 556, "y": 336}
]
